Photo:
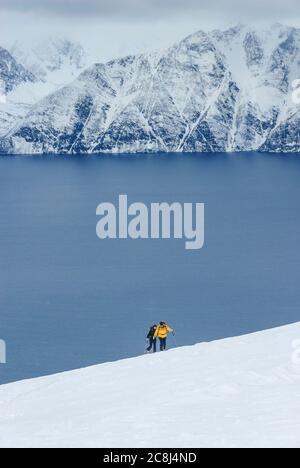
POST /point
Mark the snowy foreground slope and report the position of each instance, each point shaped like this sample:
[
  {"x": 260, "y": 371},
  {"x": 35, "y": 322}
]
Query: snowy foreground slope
[
  {"x": 238, "y": 392},
  {"x": 211, "y": 92}
]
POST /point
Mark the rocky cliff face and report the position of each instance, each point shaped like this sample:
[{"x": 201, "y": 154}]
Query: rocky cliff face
[
  {"x": 12, "y": 73},
  {"x": 222, "y": 91}
]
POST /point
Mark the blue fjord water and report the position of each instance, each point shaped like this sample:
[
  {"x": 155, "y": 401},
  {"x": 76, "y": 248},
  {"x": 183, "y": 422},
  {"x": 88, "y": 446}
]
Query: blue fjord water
[{"x": 69, "y": 300}]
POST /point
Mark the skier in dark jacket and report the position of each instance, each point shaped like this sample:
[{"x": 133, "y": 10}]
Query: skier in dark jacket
[{"x": 152, "y": 340}]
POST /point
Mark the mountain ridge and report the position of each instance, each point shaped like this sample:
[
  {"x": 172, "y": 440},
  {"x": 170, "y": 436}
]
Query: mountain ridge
[{"x": 221, "y": 91}]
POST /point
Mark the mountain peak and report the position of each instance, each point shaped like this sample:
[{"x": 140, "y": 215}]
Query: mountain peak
[{"x": 51, "y": 54}]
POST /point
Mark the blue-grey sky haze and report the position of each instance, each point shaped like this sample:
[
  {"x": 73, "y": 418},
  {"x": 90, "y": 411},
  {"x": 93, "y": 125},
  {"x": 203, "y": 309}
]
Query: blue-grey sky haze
[
  {"x": 137, "y": 9},
  {"x": 111, "y": 28}
]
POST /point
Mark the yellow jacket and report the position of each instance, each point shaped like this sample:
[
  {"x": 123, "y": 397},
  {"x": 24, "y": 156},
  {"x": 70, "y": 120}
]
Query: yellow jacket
[{"x": 162, "y": 331}]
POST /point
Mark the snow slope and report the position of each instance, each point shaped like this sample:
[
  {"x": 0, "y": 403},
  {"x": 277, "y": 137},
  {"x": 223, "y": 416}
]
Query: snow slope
[{"x": 238, "y": 392}]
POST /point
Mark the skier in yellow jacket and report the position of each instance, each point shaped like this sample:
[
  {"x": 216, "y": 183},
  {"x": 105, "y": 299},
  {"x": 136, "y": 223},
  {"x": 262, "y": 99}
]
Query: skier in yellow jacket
[{"x": 162, "y": 333}]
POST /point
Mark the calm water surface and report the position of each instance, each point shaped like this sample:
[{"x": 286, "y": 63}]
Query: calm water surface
[{"x": 69, "y": 300}]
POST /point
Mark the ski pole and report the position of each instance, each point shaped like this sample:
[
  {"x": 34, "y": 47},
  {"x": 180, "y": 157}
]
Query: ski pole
[{"x": 173, "y": 334}]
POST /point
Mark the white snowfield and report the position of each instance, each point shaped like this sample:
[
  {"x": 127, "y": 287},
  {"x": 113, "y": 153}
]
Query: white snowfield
[{"x": 238, "y": 392}]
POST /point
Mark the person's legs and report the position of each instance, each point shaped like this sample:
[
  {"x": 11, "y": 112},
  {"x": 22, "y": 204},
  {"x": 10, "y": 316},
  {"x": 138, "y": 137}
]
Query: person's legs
[
  {"x": 150, "y": 345},
  {"x": 154, "y": 345},
  {"x": 163, "y": 343}
]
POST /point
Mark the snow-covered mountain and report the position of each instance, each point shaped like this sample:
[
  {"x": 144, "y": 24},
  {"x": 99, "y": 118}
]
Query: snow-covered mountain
[
  {"x": 36, "y": 70},
  {"x": 12, "y": 73},
  {"x": 220, "y": 91},
  {"x": 238, "y": 392},
  {"x": 13, "y": 76},
  {"x": 52, "y": 58}
]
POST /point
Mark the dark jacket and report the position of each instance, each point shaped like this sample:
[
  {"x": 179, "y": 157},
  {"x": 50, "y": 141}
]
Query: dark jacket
[{"x": 151, "y": 333}]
